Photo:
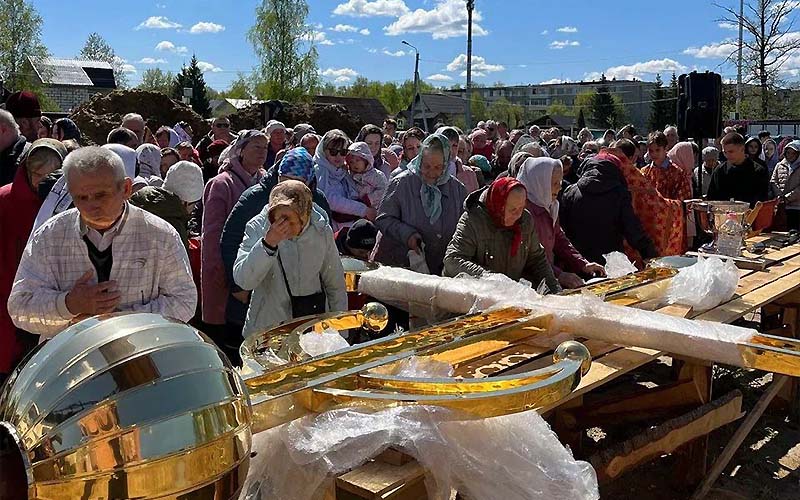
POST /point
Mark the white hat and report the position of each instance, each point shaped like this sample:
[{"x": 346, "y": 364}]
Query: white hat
[
  {"x": 185, "y": 180},
  {"x": 361, "y": 150},
  {"x": 272, "y": 126},
  {"x": 149, "y": 156}
]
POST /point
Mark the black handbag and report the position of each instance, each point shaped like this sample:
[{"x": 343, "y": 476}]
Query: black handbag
[{"x": 304, "y": 305}]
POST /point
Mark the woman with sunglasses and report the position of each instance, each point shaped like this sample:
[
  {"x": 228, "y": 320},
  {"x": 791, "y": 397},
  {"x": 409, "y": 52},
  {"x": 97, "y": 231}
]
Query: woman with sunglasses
[
  {"x": 332, "y": 179},
  {"x": 220, "y": 131}
]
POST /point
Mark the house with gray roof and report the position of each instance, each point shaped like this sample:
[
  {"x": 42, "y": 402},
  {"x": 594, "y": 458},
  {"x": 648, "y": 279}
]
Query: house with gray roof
[{"x": 69, "y": 82}]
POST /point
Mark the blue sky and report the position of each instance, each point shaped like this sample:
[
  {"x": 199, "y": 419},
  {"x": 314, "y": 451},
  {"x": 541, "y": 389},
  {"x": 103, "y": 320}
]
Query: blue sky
[{"x": 516, "y": 42}]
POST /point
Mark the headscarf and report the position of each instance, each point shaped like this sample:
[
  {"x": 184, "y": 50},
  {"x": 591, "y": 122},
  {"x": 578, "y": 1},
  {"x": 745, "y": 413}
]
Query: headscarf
[
  {"x": 682, "y": 155},
  {"x": 431, "y": 196},
  {"x": 772, "y": 160},
  {"x": 174, "y": 138},
  {"x": 69, "y": 128},
  {"x": 236, "y": 147},
  {"x": 292, "y": 194},
  {"x": 523, "y": 140},
  {"x": 569, "y": 146},
  {"x": 496, "y": 198},
  {"x": 782, "y": 145},
  {"x": 516, "y": 162},
  {"x": 481, "y": 162},
  {"x": 149, "y": 158},
  {"x": 536, "y": 174},
  {"x": 335, "y": 173},
  {"x": 127, "y": 155},
  {"x": 796, "y": 146},
  {"x": 760, "y": 147},
  {"x": 297, "y": 163}
]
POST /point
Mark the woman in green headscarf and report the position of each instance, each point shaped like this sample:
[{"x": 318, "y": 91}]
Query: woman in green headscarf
[{"x": 421, "y": 209}]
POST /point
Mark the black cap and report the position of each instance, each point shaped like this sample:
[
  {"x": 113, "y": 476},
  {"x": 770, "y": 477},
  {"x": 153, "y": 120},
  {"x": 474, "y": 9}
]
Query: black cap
[{"x": 362, "y": 235}]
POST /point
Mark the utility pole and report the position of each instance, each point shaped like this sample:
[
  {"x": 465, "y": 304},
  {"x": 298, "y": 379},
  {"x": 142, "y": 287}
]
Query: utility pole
[
  {"x": 468, "y": 117},
  {"x": 739, "y": 62},
  {"x": 416, "y": 87}
]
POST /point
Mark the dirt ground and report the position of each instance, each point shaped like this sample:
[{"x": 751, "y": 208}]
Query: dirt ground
[{"x": 766, "y": 466}]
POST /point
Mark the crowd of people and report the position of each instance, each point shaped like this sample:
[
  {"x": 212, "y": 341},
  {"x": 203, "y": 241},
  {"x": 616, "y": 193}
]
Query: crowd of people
[{"x": 239, "y": 231}]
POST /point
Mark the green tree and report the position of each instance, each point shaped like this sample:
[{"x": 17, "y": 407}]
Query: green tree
[
  {"x": 97, "y": 49},
  {"x": 240, "y": 88},
  {"x": 20, "y": 38},
  {"x": 581, "y": 123},
  {"x": 284, "y": 43},
  {"x": 671, "y": 107},
  {"x": 658, "y": 106},
  {"x": 603, "y": 109},
  {"x": 192, "y": 77},
  {"x": 477, "y": 108},
  {"x": 157, "y": 80},
  {"x": 559, "y": 108}
]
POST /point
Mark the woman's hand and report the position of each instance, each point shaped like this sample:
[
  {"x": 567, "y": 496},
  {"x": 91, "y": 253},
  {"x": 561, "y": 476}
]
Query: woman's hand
[
  {"x": 371, "y": 214},
  {"x": 243, "y": 296},
  {"x": 569, "y": 280},
  {"x": 594, "y": 269},
  {"x": 415, "y": 242},
  {"x": 277, "y": 232}
]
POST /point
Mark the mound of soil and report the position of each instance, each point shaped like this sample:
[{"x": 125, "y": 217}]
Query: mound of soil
[
  {"x": 322, "y": 117},
  {"x": 103, "y": 112}
]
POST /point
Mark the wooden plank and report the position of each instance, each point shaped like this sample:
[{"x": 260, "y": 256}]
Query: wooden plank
[
  {"x": 738, "y": 437},
  {"x": 735, "y": 309},
  {"x": 373, "y": 479},
  {"x": 667, "y": 437}
]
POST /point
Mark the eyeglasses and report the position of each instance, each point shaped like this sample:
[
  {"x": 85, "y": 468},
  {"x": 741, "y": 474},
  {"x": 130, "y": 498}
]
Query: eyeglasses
[
  {"x": 222, "y": 125},
  {"x": 337, "y": 152}
]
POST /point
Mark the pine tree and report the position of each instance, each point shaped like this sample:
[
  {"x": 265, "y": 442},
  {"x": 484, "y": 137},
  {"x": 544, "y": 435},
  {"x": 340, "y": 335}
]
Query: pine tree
[
  {"x": 671, "y": 106},
  {"x": 657, "y": 119},
  {"x": 192, "y": 77},
  {"x": 603, "y": 108},
  {"x": 581, "y": 120},
  {"x": 97, "y": 49}
]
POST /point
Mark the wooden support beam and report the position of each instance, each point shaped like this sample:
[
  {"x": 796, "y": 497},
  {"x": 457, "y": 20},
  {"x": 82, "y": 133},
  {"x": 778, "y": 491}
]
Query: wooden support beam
[
  {"x": 741, "y": 433},
  {"x": 667, "y": 437}
]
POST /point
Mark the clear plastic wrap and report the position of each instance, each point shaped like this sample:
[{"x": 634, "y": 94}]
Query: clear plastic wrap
[
  {"x": 705, "y": 284},
  {"x": 618, "y": 265},
  {"x": 578, "y": 315},
  {"x": 319, "y": 343},
  {"x": 525, "y": 460}
]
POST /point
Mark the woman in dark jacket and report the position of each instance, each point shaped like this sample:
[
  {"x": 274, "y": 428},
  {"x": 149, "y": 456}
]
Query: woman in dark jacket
[
  {"x": 496, "y": 234},
  {"x": 596, "y": 212},
  {"x": 421, "y": 208}
]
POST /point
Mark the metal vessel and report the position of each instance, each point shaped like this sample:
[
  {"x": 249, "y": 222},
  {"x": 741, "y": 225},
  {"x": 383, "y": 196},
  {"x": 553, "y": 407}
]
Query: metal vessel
[{"x": 138, "y": 406}]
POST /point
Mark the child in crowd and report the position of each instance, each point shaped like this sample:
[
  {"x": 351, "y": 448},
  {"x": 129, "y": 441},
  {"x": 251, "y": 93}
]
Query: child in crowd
[{"x": 370, "y": 182}]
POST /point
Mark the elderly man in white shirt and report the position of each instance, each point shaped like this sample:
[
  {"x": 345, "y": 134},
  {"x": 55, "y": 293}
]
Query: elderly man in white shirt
[{"x": 102, "y": 256}]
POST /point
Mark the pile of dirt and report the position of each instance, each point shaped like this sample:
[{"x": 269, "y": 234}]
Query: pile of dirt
[
  {"x": 322, "y": 117},
  {"x": 102, "y": 113}
]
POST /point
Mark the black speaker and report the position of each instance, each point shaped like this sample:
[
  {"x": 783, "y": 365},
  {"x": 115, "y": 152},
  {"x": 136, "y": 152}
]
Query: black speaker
[{"x": 699, "y": 105}]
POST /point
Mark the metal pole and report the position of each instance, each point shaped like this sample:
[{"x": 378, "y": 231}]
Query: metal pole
[
  {"x": 739, "y": 72},
  {"x": 416, "y": 86},
  {"x": 468, "y": 117}
]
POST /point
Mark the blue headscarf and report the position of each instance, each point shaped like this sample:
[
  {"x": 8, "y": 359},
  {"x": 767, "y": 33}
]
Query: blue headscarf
[
  {"x": 298, "y": 164},
  {"x": 430, "y": 195}
]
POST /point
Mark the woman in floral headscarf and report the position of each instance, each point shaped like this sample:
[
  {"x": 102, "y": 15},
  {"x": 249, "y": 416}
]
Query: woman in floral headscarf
[
  {"x": 241, "y": 169},
  {"x": 421, "y": 208}
]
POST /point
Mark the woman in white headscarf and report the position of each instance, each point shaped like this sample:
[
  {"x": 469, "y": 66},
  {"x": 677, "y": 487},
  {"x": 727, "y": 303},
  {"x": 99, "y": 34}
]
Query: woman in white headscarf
[{"x": 542, "y": 179}]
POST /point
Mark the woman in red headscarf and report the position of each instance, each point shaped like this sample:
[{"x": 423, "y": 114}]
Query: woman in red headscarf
[{"x": 495, "y": 234}]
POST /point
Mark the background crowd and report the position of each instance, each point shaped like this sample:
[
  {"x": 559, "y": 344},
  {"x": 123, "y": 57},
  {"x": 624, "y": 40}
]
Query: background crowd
[{"x": 237, "y": 231}]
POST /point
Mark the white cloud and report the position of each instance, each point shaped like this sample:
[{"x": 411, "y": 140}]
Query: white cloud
[
  {"x": 639, "y": 70},
  {"x": 478, "y": 64},
  {"x": 399, "y": 53},
  {"x": 719, "y": 50},
  {"x": 475, "y": 74},
  {"x": 375, "y": 8},
  {"x": 150, "y": 60},
  {"x": 560, "y": 44},
  {"x": 447, "y": 19},
  {"x": 340, "y": 75},
  {"x": 438, "y": 77},
  {"x": 553, "y": 81},
  {"x": 206, "y": 27},
  {"x": 728, "y": 26},
  {"x": 544, "y": 32},
  {"x": 205, "y": 67},
  {"x": 344, "y": 28},
  {"x": 567, "y": 29},
  {"x": 364, "y": 31},
  {"x": 158, "y": 22},
  {"x": 320, "y": 38},
  {"x": 372, "y": 51},
  {"x": 167, "y": 46}
]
